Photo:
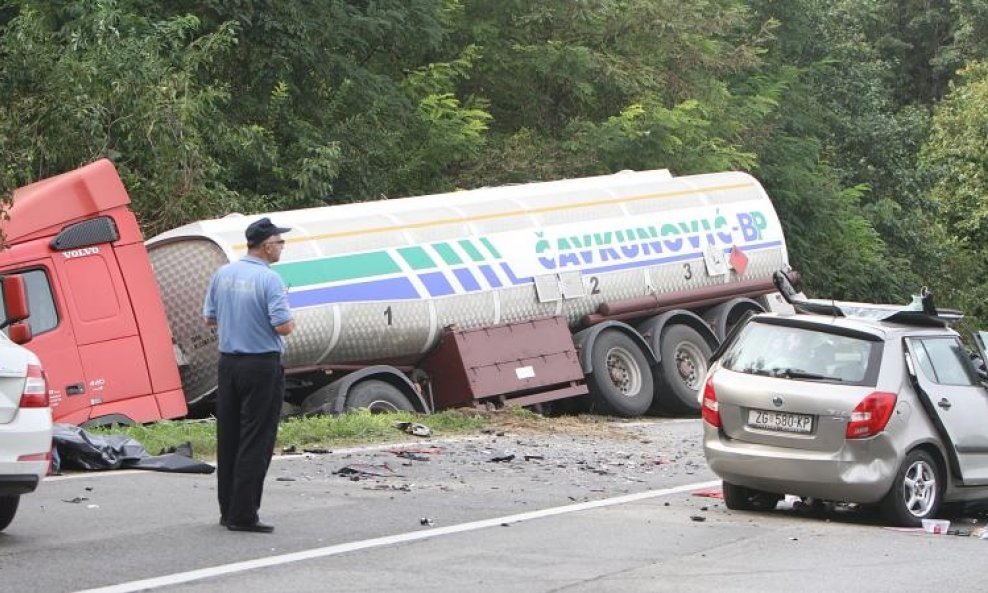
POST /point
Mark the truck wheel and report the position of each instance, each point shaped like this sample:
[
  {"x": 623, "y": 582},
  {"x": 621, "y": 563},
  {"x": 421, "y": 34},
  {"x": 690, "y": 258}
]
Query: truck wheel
[
  {"x": 320, "y": 401},
  {"x": 8, "y": 508},
  {"x": 109, "y": 420},
  {"x": 289, "y": 410},
  {"x": 740, "y": 498},
  {"x": 378, "y": 397},
  {"x": 682, "y": 368},
  {"x": 915, "y": 492},
  {"x": 621, "y": 383}
]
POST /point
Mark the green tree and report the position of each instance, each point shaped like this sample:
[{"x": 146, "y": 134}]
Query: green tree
[
  {"x": 955, "y": 161},
  {"x": 851, "y": 144},
  {"x": 85, "y": 80},
  {"x": 339, "y": 100},
  {"x": 578, "y": 88}
]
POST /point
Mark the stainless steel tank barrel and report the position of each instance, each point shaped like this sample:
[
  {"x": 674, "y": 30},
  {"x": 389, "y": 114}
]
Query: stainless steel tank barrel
[{"x": 377, "y": 281}]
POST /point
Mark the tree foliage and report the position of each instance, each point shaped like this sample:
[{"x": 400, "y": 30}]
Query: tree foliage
[
  {"x": 84, "y": 82},
  {"x": 851, "y": 112},
  {"x": 955, "y": 161}
]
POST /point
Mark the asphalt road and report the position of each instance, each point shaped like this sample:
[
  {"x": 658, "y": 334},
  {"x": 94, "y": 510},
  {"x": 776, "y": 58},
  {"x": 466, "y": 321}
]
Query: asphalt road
[{"x": 580, "y": 513}]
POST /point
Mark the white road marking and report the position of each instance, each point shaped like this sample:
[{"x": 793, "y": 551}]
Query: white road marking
[{"x": 236, "y": 567}]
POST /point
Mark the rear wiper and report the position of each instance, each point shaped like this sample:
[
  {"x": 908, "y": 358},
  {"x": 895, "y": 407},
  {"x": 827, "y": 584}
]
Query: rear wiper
[{"x": 800, "y": 374}]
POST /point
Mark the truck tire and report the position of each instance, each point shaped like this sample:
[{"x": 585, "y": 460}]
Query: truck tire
[
  {"x": 378, "y": 397},
  {"x": 916, "y": 491},
  {"x": 8, "y": 508},
  {"x": 320, "y": 401},
  {"x": 740, "y": 498},
  {"x": 621, "y": 381},
  {"x": 683, "y": 364}
]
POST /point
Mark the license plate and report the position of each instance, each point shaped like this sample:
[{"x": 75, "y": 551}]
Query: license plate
[{"x": 780, "y": 421}]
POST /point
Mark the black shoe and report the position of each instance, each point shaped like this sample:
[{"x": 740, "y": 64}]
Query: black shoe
[
  {"x": 253, "y": 527},
  {"x": 223, "y": 521}
]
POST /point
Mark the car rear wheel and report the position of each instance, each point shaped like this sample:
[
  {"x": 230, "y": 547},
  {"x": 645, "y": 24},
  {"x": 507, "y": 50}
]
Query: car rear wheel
[
  {"x": 741, "y": 498},
  {"x": 915, "y": 492},
  {"x": 8, "y": 508}
]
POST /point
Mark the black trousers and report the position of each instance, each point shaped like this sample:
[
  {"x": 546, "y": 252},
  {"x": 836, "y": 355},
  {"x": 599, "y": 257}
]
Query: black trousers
[{"x": 248, "y": 404}]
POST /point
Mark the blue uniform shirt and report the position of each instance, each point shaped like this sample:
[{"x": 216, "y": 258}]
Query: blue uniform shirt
[{"x": 247, "y": 299}]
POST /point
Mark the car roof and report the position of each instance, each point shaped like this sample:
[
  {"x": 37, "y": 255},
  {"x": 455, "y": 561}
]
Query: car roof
[{"x": 881, "y": 328}]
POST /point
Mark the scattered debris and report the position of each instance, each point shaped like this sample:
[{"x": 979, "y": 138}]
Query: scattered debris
[
  {"x": 412, "y": 456},
  {"x": 289, "y": 450},
  {"x": 426, "y": 521},
  {"x": 355, "y": 471},
  {"x": 534, "y": 458},
  {"x": 413, "y": 428},
  {"x": 284, "y": 479},
  {"x": 76, "y": 500},
  {"x": 502, "y": 458},
  {"x": 316, "y": 451},
  {"x": 710, "y": 493},
  {"x": 980, "y": 532},
  {"x": 698, "y": 518},
  {"x": 421, "y": 450},
  {"x": 391, "y": 487}
]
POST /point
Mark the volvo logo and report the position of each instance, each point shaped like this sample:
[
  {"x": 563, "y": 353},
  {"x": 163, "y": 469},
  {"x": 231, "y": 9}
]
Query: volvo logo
[{"x": 777, "y": 401}]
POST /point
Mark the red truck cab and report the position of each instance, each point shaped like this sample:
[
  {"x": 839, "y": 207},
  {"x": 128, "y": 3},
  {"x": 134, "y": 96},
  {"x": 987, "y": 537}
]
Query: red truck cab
[{"x": 97, "y": 320}]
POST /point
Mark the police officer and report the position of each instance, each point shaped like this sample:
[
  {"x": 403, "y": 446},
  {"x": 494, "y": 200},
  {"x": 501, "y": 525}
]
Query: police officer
[{"x": 248, "y": 305}]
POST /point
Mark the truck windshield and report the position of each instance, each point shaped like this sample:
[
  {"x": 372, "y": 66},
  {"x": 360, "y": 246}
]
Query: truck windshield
[{"x": 802, "y": 354}]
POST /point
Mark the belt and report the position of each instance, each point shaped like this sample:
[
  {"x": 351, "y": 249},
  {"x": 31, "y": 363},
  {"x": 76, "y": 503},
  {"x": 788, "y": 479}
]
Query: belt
[{"x": 275, "y": 355}]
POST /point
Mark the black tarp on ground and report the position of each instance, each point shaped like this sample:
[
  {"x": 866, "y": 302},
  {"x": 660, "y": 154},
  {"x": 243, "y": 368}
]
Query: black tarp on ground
[{"x": 77, "y": 449}]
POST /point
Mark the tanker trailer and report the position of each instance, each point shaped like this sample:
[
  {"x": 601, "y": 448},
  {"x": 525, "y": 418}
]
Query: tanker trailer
[{"x": 618, "y": 285}]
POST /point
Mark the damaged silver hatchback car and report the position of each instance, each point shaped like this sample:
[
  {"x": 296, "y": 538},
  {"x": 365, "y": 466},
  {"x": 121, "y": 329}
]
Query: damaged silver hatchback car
[{"x": 850, "y": 403}]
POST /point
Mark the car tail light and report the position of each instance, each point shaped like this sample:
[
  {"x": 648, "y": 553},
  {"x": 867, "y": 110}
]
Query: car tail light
[
  {"x": 871, "y": 415},
  {"x": 35, "y": 394},
  {"x": 709, "y": 408}
]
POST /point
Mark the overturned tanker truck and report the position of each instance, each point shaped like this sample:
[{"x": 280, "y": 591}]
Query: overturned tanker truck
[{"x": 608, "y": 292}]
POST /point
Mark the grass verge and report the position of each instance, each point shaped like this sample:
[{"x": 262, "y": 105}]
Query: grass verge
[{"x": 352, "y": 428}]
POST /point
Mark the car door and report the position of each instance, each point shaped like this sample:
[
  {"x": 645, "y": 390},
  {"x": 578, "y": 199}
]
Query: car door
[{"x": 956, "y": 400}]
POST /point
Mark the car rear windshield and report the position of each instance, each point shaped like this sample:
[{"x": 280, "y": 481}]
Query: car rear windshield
[{"x": 804, "y": 354}]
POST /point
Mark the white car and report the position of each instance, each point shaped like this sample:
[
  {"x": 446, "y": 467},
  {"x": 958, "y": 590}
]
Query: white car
[{"x": 25, "y": 416}]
